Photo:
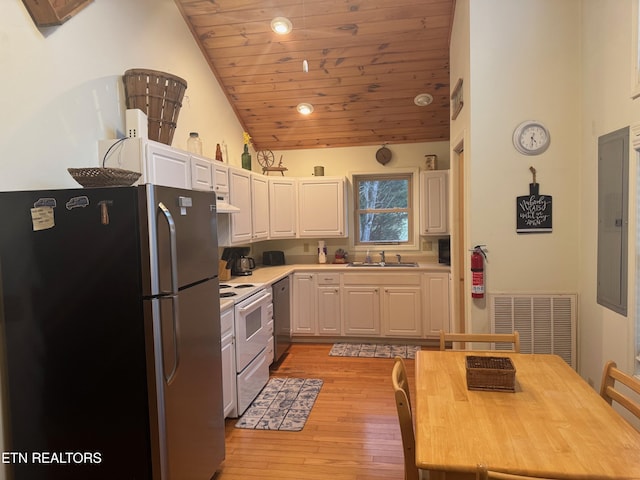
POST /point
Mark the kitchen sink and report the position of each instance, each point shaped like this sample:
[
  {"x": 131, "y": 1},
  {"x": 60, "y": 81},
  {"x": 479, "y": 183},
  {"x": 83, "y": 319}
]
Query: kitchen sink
[{"x": 383, "y": 264}]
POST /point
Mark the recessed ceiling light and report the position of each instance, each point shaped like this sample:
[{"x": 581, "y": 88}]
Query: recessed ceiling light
[
  {"x": 281, "y": 25},
  {"x": 304, "y": 108},
  {"x": 423, "y": 99}
]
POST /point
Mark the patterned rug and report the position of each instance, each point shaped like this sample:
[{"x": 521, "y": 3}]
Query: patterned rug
[
  {"x": 373, "y": 350},
  {"x": 283, "y": 404}
]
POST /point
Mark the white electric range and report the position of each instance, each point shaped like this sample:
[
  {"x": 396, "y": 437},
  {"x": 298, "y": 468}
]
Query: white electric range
[
  {"x": 238, "y": 289},
  {"x": 253, "y": 333}
]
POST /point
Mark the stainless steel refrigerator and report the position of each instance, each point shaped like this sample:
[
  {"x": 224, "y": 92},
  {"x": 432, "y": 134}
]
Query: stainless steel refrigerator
[{"x": 109, "y": 310}]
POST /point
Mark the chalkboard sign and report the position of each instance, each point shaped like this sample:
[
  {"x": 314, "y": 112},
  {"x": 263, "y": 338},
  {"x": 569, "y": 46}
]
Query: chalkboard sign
[{"x": 533, "y": 212}]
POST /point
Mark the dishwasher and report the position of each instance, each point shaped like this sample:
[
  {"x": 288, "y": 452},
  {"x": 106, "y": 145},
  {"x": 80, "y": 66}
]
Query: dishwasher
[{"x": 281, "y": 318}]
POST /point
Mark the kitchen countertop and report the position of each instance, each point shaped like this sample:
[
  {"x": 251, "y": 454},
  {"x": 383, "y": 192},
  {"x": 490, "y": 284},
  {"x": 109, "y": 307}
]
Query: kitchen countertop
[{"x": 271, "y": 274}]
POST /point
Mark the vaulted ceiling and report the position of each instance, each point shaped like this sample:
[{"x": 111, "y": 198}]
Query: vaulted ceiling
[{"x": 367, "y": 61}]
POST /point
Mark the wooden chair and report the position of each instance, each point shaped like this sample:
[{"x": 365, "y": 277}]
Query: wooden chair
[
  {"x": 485, "y": 474},
  {"x": 405, "y": 417},
  {"x": 513, "y": 338},
  {"x": 608, "y": 390}
]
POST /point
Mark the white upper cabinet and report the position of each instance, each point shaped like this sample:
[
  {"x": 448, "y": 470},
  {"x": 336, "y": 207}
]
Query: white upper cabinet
[
  {"x": 158, "y": 163},
  {"x": 240, "y": 223},
  {"x": 321, "y": 207},
  {"x": 220, "y": 178},
  {"x": 201, "y": 173},
  {"x": 259, "y": 207},
  {"x": 167, "y": 166},
  {"x": 433, "y": 202},
  {"x": 282, "y": 207}
]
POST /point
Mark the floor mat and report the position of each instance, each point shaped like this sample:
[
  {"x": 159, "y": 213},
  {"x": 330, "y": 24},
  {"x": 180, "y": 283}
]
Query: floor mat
[
  {"x": 373, "y": 350},
  {"x": 283, "y": 404}
]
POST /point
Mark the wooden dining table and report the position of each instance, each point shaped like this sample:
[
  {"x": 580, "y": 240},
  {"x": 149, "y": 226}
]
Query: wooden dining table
[{"x": 553, "y": 425}]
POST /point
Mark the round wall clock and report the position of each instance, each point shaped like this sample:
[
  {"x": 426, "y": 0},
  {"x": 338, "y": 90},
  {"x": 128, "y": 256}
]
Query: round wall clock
[
  {"x": 383, "y": 155},
  {"x": 531, "y": 138}
]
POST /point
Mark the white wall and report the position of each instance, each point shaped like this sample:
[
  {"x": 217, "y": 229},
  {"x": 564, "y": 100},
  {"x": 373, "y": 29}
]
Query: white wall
[
  {"x": 569, "y": 65},
  {"x": 62, "y": 87},
  {"x": 524, "y": 64},
  {"x": 607, "y": 106},
  {"x": 461, "y": 146}
]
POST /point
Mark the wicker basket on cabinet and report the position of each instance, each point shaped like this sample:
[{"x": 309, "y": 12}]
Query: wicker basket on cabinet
[{"x": 159, "y": 95}]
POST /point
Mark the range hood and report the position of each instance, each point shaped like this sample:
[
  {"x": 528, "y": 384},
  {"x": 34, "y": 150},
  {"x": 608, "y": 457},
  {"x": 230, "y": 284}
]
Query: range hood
[{"x": 223, "y": 206}]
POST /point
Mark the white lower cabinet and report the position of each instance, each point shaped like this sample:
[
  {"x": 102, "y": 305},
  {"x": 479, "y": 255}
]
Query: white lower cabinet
[
  {"x": 316, "y": 305},
  {"x": 328, "y": 304},
  {"x": 437, "y": 313},
  {"x": 394, "y": 305},
  {"x": 228, "y": 362},
  {"x": 383, "y": 304},
  {"x": 361, "y": 311},
  {"x": 402, "y": 311},
  {"x": 304, "y": 305}
]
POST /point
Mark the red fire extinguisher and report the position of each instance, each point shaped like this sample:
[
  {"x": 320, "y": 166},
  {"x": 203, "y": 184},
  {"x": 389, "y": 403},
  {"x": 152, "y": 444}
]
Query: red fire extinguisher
[{"x": 477, "y": 271}]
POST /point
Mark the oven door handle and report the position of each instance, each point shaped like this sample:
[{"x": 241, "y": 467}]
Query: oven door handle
[{"x": 245, "y": 308}]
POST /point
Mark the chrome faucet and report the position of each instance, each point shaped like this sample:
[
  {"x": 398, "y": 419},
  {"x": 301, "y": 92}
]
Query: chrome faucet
[{"x": 382, "y": 259}]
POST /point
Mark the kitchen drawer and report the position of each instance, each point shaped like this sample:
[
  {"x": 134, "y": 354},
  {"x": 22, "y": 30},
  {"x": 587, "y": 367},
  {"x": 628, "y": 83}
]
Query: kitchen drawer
[
  {"x": 328, "y": 279},
  {"x": 382, "y": 278}
]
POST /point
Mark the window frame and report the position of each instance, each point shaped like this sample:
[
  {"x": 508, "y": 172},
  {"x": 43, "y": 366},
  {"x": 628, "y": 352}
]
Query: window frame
[
  {"x": 635, "y": 50},
  {"x": 412, "y": 243}
]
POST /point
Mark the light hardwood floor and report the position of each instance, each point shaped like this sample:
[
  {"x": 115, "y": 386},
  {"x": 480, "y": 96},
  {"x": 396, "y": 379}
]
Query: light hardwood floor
[{"x": 351, "y": 434}]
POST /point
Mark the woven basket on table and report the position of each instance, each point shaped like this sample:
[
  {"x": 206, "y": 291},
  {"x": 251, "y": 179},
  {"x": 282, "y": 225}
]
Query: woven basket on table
[{"x": 159, "y": 95}]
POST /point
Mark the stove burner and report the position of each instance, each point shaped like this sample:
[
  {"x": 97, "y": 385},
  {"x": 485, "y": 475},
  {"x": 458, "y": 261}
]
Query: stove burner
[
  {"x": 244, "y": 285},
  {"x": 227, "y": 294},
  {"x": 224, "y": 285}
]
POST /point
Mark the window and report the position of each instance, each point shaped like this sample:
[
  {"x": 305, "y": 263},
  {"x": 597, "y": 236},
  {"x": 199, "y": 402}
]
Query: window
[{"x": 383, "y": 208}]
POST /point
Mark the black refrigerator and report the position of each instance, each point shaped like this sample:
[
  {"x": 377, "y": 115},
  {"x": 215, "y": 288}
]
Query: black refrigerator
[{"x": 110, "y": 334}]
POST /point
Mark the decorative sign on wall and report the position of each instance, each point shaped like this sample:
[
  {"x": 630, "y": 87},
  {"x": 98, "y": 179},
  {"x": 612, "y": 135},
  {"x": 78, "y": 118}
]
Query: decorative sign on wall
[
  {"x": 533, "y": 211},
  {"x": 457, "y": 100}
]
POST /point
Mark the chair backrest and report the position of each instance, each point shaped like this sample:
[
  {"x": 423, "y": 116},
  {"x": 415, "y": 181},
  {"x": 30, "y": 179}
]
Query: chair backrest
[
  {"x": 513, "y": 338},
  {"x": 609, "y": 392},
  {"x": 405, "y": 417},
  {"x": 483, "y": 473}
]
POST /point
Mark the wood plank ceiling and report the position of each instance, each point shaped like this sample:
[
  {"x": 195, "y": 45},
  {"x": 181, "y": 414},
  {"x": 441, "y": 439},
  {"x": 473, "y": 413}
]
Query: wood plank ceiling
[{"x": 367, "y": 61}]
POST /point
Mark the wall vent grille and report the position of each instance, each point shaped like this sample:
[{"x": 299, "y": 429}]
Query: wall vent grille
[{"x": 546, "y": 323}]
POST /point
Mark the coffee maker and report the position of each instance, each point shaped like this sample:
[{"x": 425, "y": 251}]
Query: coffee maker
[{"x": 238, "y": 261}]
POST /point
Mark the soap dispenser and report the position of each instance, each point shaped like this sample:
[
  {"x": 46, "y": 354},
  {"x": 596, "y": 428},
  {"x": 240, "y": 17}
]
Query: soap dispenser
[{"x": 322, "y": 252}]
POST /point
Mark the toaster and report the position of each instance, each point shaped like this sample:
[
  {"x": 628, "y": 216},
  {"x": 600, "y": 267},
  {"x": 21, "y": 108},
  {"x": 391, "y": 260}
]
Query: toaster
[{"x": 273, "y": 257}]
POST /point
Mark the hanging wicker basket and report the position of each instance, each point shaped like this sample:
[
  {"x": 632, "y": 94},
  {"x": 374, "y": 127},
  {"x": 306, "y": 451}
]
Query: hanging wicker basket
[{"x": 159, "y": 95}]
